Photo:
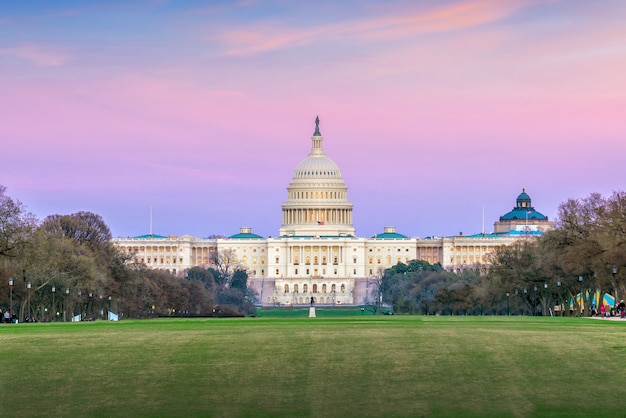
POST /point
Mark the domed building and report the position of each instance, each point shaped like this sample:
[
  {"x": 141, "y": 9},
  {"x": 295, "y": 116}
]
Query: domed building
[
  {"x": 316, "y": 253},
  {"x": 523, "y": 218},
  {"x": 317, "y": 202}
]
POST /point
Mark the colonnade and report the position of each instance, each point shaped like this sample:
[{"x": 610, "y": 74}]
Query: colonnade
[{"x": 313, "y": 216}]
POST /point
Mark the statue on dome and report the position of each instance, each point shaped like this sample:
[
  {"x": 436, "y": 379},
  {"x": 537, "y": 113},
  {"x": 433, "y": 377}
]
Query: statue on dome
[{"x": 317, "y": 126}]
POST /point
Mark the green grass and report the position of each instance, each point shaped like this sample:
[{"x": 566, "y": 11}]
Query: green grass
[{"x": 351, "y": 366}]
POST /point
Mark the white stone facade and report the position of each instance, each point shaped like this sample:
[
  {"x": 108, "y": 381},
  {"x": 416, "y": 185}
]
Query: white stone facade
[{"x": 316, "y": 254}]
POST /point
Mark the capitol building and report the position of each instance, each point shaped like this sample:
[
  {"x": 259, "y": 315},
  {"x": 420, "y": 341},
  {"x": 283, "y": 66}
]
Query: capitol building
[{"x": 316, "y": 253}]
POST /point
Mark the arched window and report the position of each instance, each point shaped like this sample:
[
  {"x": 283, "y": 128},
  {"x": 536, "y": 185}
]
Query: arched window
[
  {"x": 315, "y": 260},
  {"x": 323, "y": 288},
  {"x": 343, "y": 288},
  {"x": 295, "y": 288},
  {"x": 286, "y": 288},
  {"x": 333, "y": 288},
  {"x": 315, "y": 288},
  {"x": 305, "y": 288}
]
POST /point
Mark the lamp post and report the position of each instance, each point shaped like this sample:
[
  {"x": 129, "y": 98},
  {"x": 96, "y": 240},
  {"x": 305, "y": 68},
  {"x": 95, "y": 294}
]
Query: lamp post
[
  {"x": 614, "y": 272},
  {"x": 11, "y": 291},
  {"x": 558, "y": 286},
  {"x": 54, "y": 311},
  {"x": 80, "y": 306},
  {"x": 30, "y": 317},
  {"x": 545, "y": 298},
  {"x": 535, "y": 301},
  {"x": 109, "y": 305},
  {"x": 581, "y": 304},
  {"x": 525, "y": 298},
  {"x": 516, "y": 295},
  {"x": 67, "y": 302}
]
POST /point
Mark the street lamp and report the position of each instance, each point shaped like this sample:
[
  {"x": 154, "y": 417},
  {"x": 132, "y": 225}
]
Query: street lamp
[
  {"x": 525, "y": 297},
  {"x": 80, "y": 306},
  {"x": 11, "y": 291},
  {"x": 582, "y": 301},
  {"x": 54, "y": 311},
  {"x": 67, "y": 301},
  {"x": 30, "y": 317},
  {"x": 545, "y": 298},
  {"x": 535, "y": 301},
  {"x": 614, "y": 272},
  {"x": 90, "y": 307},
  {"x": 558, "y": 286}
]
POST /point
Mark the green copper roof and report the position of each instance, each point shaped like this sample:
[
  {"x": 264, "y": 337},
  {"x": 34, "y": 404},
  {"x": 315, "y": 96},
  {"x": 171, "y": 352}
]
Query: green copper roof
[
  {"x": 245, "y": 235},
  {"x": 389, "y": 235},
  {"x": 150, "y": 236},
  {"x": 523, "y": 197},
  {"x": 523, "y": 214},
  {"x": 523, "y": 210}
]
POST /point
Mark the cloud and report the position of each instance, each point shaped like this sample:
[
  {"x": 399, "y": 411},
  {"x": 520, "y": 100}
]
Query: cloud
[
  {"x": 268, "y": 36},
  {"x": 38, "y": 55}
]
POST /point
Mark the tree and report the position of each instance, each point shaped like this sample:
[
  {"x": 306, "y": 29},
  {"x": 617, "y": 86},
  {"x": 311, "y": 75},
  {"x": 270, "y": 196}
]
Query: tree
[
  {"x": 408, "y": 287},
  {"x": 16, "y": 226}
]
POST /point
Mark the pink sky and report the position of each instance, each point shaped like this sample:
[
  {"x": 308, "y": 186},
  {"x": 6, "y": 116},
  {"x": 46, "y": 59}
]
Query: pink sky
[{"x": 432, "y": 110}]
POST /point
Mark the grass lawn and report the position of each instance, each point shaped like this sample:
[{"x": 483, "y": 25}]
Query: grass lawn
[{"x": 335, "y": 366}]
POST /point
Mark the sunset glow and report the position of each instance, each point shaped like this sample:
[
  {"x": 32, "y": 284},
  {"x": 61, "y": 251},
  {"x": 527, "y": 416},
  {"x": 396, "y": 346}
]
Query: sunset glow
[{"x": 202, "y": 110}]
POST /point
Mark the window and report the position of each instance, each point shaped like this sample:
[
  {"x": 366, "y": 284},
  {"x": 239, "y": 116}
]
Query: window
[
  {"x": 305, "y": 288},
  {"x": 286, "y": 288},
  {"x": 295, "y": 288}
]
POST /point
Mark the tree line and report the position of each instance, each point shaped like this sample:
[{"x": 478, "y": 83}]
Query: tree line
[
  {"x": 585, "y": 255},
  {"x": 66, "y": 265}
]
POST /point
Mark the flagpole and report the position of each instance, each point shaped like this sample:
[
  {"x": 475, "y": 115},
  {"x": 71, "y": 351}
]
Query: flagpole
[{"x": 483, "y": 231}]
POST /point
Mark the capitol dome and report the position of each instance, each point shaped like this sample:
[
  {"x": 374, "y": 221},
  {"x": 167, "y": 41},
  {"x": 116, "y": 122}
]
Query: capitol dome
[
  {"x": 317, "y": 202},
  {"x": 317, "y": 165}
]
